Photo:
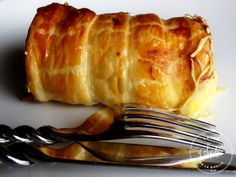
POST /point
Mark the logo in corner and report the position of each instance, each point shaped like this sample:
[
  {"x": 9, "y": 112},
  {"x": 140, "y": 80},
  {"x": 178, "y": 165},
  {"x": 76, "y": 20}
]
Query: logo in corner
[{"x": 211, "y": 161}]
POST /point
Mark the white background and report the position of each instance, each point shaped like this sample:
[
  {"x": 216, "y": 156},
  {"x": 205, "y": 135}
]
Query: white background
[{"x": 15, "y": 18}]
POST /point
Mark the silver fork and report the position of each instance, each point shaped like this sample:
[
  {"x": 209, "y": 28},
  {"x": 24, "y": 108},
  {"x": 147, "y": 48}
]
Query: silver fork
[{"x": 129, "y": 123}]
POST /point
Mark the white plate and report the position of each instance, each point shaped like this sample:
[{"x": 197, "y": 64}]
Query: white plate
[{"x": 15, "y": 18}]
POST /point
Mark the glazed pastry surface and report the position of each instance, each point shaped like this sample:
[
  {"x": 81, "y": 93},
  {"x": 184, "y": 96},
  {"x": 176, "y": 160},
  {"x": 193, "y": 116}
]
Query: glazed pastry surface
[{"x": 76, "y": 56}]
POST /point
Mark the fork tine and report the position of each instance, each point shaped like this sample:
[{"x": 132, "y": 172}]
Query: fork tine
[
  {"x": 170, "y": 132},
  {"x": 157, "y": 112},
  {"x": 156, "y": 120}
]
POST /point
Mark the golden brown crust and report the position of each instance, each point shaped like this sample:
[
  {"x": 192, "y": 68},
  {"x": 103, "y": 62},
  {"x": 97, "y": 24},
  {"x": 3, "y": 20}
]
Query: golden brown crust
[{"x": 78, "y": 57}]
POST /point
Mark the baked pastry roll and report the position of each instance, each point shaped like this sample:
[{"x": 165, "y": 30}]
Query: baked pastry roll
[{"x": 76, "y": 56}]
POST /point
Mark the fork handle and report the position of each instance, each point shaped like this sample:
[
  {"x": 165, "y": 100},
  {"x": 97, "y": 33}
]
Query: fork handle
[
  {"x": 45, "y": 135},
  {"x": 27, "y": 134}
]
